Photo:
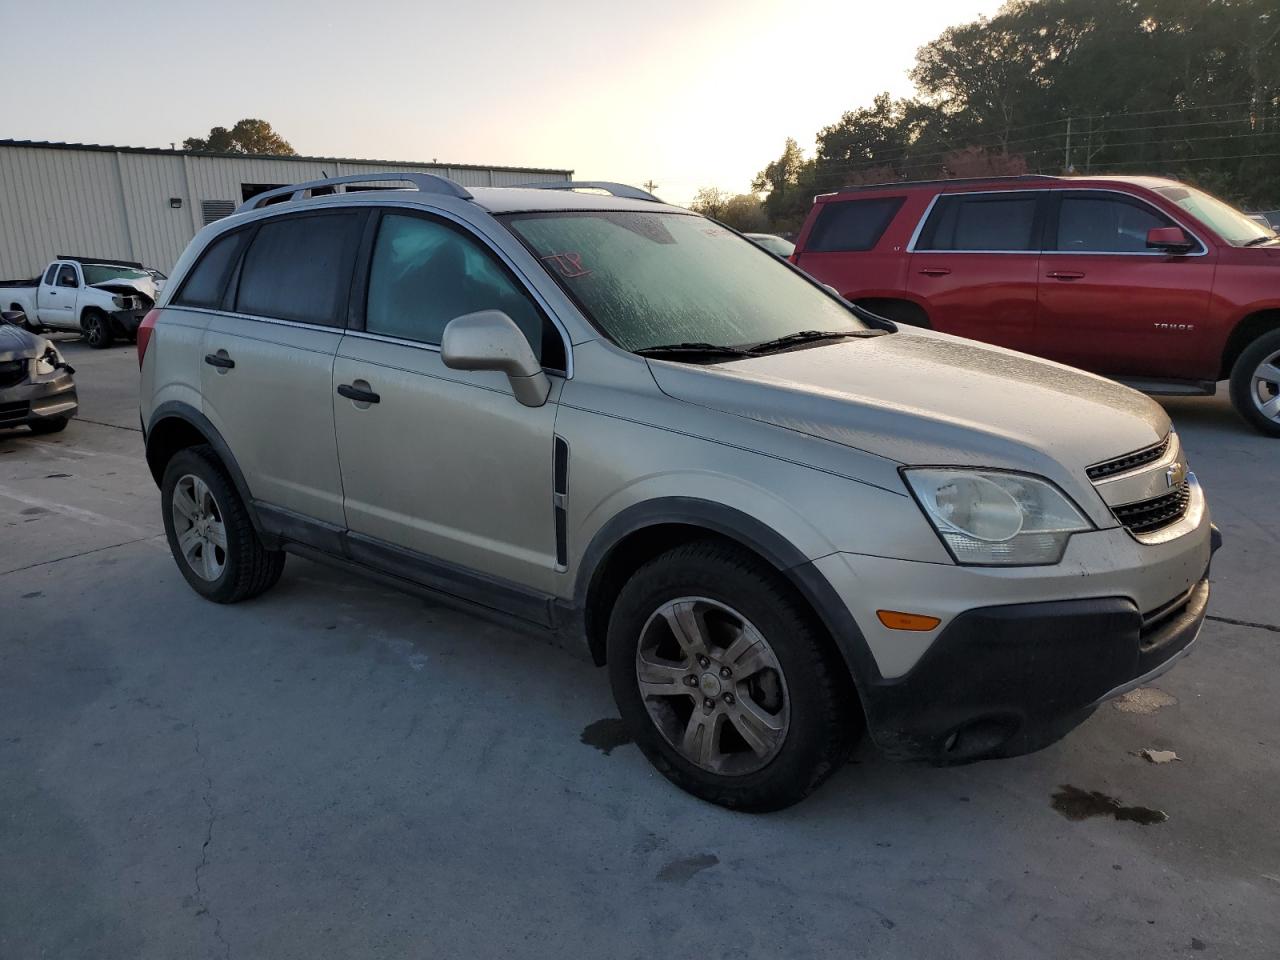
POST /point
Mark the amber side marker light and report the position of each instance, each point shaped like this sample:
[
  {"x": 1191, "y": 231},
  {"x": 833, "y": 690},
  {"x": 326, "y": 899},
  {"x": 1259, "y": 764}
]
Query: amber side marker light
[{"x": 907, "y": 621}]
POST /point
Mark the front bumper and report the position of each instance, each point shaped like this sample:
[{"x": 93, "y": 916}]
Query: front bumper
[
  {"x": 51, "y": 399},
  {"x": 125, "y": 323},
  {"x": 1006, "y": 680}
]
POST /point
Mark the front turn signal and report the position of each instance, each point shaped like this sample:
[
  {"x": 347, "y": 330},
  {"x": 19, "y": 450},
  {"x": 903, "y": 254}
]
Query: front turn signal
[{"x": 918, "y": 622}]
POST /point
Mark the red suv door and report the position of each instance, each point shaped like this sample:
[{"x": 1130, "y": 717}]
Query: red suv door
[
  {"x": 1110, "y": 304},
  {"x": 973, "y": 265}
]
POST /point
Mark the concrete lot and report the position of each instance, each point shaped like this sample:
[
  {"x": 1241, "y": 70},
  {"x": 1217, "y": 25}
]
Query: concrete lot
[{"x": 339, "y": 770}]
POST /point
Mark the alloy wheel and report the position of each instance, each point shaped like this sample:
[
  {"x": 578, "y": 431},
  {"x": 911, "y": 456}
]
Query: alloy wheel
[
  {"x": 97, "y": 331},
  {"x": 712, "y": 685},
  {"x": 1265, "y": 388},
  {"x": 199, "y": 528}
]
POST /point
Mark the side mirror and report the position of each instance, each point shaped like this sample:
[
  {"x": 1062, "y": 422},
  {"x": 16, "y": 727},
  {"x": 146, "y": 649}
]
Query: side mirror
[
  {"x": 490, "y": 340},
  {"x": 1172, "y": 239}
]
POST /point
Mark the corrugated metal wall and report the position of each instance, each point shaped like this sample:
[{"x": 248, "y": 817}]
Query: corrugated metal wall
[{"x": 112, "y": 203}]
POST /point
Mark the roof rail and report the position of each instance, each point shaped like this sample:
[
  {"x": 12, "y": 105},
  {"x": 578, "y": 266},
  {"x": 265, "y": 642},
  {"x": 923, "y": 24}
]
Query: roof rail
[
  {"x": 425, "y": 182},
  {"x": 925, "y": 183},
  {"x": 616, "y": 189}
]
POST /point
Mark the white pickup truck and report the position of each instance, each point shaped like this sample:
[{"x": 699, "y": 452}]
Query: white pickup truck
[{"x": 105, "y": 299}]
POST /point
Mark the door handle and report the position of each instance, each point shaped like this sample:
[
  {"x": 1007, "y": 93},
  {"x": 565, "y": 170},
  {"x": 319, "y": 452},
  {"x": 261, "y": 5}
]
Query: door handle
[
  {"x": 219, "y": 360},
  {"x": 1065, "y": 275},
  {"x": 357, "y": 393},
  {"x": 935, "y": 271}
]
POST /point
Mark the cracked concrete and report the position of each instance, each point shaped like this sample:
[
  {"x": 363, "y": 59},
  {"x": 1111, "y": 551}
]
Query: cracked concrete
[{"x": 340, "y": 770}]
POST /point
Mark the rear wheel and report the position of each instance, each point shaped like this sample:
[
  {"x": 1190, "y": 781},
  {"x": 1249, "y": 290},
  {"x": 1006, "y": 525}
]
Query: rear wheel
[
  {"x": 97, "y": 330},
  {"x": 209, "y": 531},
  {"x": 724, "y": 681},
  {"x": 1255, "y": 384}
]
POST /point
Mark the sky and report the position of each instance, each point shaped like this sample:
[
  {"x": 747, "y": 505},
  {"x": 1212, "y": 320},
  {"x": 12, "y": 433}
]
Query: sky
[{"x": 687, "y": 94}]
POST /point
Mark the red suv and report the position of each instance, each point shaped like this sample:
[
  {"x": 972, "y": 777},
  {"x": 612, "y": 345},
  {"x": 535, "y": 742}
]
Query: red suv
[{"x": 1145, "y": 280}]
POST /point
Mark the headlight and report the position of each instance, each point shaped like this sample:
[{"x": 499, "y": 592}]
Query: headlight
[
  {"x": 49, "y": 362},
  {"x": 119, "y": 302},
  {"x": 986, "y": 517}
]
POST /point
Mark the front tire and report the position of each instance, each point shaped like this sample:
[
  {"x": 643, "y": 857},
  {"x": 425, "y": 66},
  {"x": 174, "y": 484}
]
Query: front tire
[
  {"x": 97, "y": 331},
  {"x": 724, "y": 680},
  {"x": 210, "y": 533},
  {"x": 1255, "y": 384}
]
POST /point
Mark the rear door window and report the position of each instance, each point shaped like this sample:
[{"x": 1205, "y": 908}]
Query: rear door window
[
  {"x": 1105, "y": 223},
  {"x": 299, "y": 268},
  {"x": 50, "y": 274},
  {"x": 850, "y": 225},
  {"x": 987, "y": 222},
  {"x": 206, "y": 284}
]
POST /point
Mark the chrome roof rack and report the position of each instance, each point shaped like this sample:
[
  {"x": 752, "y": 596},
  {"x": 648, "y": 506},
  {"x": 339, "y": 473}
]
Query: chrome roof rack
[
  {"x": 424, "y": 182},
  {"x": 616, "y": 189}
]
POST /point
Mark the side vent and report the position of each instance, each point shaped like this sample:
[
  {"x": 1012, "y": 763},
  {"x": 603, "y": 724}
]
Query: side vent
[
  {"x": 560, "y": 494},
  {"x": 212, "y": 210}
]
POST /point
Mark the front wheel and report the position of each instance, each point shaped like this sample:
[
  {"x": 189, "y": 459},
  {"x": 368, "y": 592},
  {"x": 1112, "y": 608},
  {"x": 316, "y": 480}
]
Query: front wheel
[
  {"x": 725, "y": 682},
  {"x": 97, "y": 331},
  {"x": 210, "y": 533},
  {"x": 1255, "y": 384}
]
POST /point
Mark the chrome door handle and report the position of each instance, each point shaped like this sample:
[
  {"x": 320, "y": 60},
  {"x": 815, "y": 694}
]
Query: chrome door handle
[
  {"x": 1065, "y": 275},
  {"x": 935, "y": 271}
]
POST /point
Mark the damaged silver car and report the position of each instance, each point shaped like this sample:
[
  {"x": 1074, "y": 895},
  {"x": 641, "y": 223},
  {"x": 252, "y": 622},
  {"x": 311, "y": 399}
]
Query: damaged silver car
[{"x": 37, "y": 388}]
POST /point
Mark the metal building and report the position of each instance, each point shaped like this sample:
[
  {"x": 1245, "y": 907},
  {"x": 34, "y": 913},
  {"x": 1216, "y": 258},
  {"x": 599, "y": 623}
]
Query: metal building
[{"x": 137, "y": 203}]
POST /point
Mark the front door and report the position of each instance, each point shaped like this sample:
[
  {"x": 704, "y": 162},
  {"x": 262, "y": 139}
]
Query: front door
[
  {"x": 444, "y": 464},
  {"x": 1110, "y": 304},
  {"x": 973, "y": 266},
  {"x": 56, "y": 299}
]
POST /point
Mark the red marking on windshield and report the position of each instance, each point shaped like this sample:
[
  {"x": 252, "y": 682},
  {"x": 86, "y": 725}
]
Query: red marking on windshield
[{"x": 568, "y": 265}]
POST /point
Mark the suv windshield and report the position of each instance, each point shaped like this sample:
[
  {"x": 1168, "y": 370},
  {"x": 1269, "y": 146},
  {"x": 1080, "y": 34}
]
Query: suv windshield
[
  {"x": 653, "y": 279},
  {"x": 100, "y": 273},
  {"x": 1225, "y": 220}
]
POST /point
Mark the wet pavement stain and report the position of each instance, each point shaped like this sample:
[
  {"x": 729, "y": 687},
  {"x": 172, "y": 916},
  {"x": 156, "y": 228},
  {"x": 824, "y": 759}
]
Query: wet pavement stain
[
  {"x": 606, "y": 735},
  {"x": 680, "y": 871},
  {"x": 1076, "y": 804},
  {"x": 33, "y": 595}
]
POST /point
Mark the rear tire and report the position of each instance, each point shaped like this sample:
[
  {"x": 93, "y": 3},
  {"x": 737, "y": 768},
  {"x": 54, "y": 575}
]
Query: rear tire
[
  {"x": 97, "y": 330},
  {"x": 52, "y": 425},
  {"x": 769, "y": 713},
  {"x": 210, "y": 533},
  {"x": 1255, "y": 384}
]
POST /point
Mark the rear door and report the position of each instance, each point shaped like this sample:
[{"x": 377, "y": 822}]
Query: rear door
[
  {"x": 973, "y": 265},
  {"x": 1111, "y": 305},
  {"x": 268, "y": 355},
  {"x": 843, "y": 248},
  {"x": 445, "y": 464},
  {"x": 56, "y": 299}
]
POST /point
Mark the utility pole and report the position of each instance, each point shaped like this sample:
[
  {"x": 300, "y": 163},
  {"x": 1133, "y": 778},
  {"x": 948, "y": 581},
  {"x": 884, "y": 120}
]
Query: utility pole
[
  {"x": 1066, "y": 166},
  {"x": 649, "y": 185}
]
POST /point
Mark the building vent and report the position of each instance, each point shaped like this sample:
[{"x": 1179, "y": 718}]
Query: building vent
[{"x": 213, "y": 210}]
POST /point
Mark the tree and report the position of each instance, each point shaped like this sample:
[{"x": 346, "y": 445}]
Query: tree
[
  {"x": 788, "y": 185},
  {"x": 247, "y": 136},
  {"x": 710, "y": 202},
  {"x": 744, "y": 212}
]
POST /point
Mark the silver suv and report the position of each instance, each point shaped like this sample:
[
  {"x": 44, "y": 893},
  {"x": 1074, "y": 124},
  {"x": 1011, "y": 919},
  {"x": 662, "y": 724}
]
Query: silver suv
[{"x": 777, "y": 519}]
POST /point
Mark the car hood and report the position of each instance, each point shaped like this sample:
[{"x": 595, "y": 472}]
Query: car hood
[
  {"x": 145, "y": 286},
  {"x": 920, "y": 397},
  {"x": 19, "y": 344}
]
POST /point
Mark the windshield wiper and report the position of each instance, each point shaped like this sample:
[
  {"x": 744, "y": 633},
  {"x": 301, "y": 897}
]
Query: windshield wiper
[
  {"x": 810, "y": 336},
  {"x": 1256, "y": 241},
  {"x": 690, "y": 350}
]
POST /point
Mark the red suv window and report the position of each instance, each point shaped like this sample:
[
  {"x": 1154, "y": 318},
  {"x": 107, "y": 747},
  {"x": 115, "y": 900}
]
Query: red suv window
[
  {"x": 982, "y": 222},
  {"x": 852, "y": 224}
]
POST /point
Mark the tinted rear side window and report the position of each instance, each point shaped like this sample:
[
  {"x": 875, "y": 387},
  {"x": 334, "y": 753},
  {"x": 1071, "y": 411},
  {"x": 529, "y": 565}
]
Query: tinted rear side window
[
  {"x": 207, "y": 282},
  {"x": 981, "y": 222},
  {"x": 852, "y": 224},
  {"x": 299, "y": 268}
]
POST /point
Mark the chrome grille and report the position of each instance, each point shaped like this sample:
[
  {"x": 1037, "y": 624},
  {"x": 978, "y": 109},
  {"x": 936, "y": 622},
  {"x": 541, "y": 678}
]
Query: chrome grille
[
  {"x": 1130, "y": 461},
  {"x": 1156, "y": 513}
]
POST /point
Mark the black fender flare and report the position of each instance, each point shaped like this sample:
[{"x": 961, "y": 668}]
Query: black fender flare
[
  {"x": 756, "y": 536},
  {"x": 178, "y": 410}
]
